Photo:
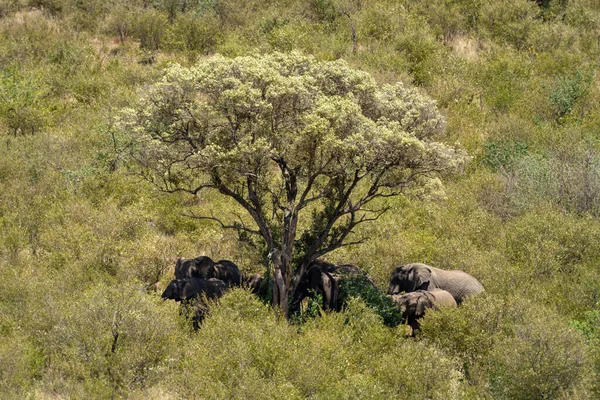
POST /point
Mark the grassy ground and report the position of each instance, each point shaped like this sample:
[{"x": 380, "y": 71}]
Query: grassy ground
[{"x": 83, "y": 244}]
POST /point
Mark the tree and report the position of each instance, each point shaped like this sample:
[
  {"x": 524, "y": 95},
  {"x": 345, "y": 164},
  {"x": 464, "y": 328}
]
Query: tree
[{"x": 303, "y": 146}]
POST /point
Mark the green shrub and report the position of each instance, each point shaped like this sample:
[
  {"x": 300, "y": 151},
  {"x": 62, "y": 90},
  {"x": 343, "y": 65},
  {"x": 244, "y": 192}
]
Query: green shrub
[
  {"x": 513, "y": 347},
  {"x": 193, "y": 34},
  {"x": 22, "y": 106},
  {"x": 508, "y": 21},
  {"x": 243, "y": 350},
  {"x": 589, "y": 326},
  {"x": 111, "y": 340},
  {"x": 449, "y": 18},
  {"x": 150, "y": 27},
  {"x": 504, "y": 80},
  {"x": 121, "y": 23},
  {"x": 422, "y": 52},
  {"x": 361, "y": 287},
  {"x": 566, "y": 91},
  {"x": 324, "y": 10},
  {"x": 503, "y": 154}
]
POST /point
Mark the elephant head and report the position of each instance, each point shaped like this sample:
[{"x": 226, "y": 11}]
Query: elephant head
[
  {"x": 318, "y": 279},
  {"x": 413, "y": 305},
  {"x": 255, "y": 283},
  {"x": 408, "y": 278}
]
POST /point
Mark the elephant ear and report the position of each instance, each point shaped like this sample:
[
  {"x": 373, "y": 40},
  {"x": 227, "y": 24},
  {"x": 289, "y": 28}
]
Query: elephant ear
[
  {"x": 214, "y": 271},
  {"x": 330, "y": 290},
  {"x": 422, "y": 277},
  {"x": 423, "y": 303},
  {"x": 178, "y": 268}
]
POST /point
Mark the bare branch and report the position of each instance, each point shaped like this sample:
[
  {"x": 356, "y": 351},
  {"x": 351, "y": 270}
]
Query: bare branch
[{"x": 237, "y": 226}]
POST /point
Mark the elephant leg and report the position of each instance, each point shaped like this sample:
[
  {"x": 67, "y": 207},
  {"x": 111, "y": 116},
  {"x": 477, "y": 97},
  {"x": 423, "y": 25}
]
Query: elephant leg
[{"x": 414, "y": 326}]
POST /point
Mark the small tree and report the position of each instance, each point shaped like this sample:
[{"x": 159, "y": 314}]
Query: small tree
[{"x": 292, "y": 140}]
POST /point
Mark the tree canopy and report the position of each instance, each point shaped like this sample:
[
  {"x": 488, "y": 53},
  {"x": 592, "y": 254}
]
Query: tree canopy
[{"x": 290, "y": 139}]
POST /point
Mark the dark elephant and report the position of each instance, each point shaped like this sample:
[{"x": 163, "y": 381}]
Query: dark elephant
[
  {"x": 413, "y": 305},
  {"x": 202, "y": 267},
  {"x": 417, "y": 276},
  {"x": 190, "y": 292},
  {"x": 228, "y": 272},
  {"x": 188, "y": 288},
  {"x": 324, "y": 279},
  {"x": 253, "y": 282},
  {"x": 257, "y": 285}
]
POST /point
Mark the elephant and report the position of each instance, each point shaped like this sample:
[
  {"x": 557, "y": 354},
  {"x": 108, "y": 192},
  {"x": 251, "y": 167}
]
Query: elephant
[
  {"x": 417, "y": 276},
  {"x": 324, "y": 279},
  {"x": 202, "y": 267},
  {"x": 228, "y": 272},
  {"x": 188, "y": 288},
  {"x": 414, "y": 304},
  {"x": 253, "y": 282},
  {"x": 189, "y": 292},
  {"x": 256, "y": 284}
]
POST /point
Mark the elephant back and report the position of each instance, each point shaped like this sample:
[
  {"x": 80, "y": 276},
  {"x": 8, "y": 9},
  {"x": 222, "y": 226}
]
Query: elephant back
[
  {"x": 202, "y": 267},
  {"x": 442, "y": 298},
  {"x": 228, "y": 272},
  {"x": 414, "y": 304},
  {"x": 458, "y": 283}
]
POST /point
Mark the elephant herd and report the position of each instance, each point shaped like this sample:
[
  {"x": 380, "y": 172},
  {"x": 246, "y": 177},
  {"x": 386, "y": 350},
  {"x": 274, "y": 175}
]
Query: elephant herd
[
  {"x": 414, "y": 288},
  {"x": 203, "y": 279},
  {"x": 427, "y": 287}
]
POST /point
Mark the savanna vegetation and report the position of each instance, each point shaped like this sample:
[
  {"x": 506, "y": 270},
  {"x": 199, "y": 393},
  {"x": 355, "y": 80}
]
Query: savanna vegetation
[{"x": 94, "y": 210}]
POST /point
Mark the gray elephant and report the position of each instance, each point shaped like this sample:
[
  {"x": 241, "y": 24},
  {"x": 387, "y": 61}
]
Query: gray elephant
[
  {"x": 202, "y": 267},
  {"x": 188, "y": 288},
  {"x": 413, "y": 305},
  {"x": 417, "y": 276}
]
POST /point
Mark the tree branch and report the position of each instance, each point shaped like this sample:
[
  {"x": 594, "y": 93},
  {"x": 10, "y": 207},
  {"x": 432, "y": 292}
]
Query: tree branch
[{"x": 237, "y": 226}]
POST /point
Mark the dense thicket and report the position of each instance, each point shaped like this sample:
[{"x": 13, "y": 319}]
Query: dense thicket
[{"x": 84, "y": 245}]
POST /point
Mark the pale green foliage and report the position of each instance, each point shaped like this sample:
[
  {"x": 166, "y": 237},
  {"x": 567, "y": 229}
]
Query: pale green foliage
[
  {"x": 522, "y": 349},
  {"x": 79, "y": 239},
  {"x": 111, "y": 339},
  {"x": 280, "y": 105},
  {"x": 244, "y": 351}
]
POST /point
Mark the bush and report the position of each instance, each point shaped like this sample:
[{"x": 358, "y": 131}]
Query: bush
[
  {"x": 193, "y": 34},
  {"x": 150, "y": 27},
  {"x": 566, "y": 91},
  {"x": 502, "y": 155},
  {"x": 243, "y": 350},
  {"x": 111, "y": 340},
  {"x": 22, "y": 107},
  {"x": 512, "y": 347},
  {"x": 508, "y": 21},
  {"x": 361, "y": 287},
  {"x": 504, "y": 80}
]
